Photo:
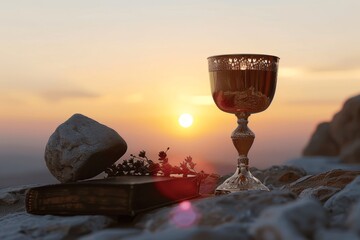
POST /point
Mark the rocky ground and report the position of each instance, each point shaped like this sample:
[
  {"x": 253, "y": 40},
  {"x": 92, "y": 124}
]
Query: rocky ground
[
  {"x": 314, "y": 197},
  {"x": 299, "y": 206}
]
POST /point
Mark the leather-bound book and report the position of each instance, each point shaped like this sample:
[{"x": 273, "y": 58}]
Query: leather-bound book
[{"x": 125, "y": 195}]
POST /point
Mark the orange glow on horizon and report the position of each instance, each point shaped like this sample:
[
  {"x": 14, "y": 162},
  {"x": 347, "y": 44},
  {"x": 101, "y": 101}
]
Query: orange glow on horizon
[{"x": 136, "y": 73}]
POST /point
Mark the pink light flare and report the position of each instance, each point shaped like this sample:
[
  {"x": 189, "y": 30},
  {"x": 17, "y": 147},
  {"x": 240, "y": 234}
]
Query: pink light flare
[{"x": 184, "y": 215}]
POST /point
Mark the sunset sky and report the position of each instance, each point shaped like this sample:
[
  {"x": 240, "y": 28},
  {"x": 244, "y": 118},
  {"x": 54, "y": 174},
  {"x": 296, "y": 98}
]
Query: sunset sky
[{"x": 135, "y": 66}]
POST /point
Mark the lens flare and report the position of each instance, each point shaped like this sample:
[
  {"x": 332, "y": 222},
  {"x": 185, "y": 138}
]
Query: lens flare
[{"x": 184, "y": 215}]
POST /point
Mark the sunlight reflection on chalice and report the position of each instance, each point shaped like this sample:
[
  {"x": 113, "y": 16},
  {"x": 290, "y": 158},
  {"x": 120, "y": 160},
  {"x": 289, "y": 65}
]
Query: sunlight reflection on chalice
[{"x": 242, "y": 84}]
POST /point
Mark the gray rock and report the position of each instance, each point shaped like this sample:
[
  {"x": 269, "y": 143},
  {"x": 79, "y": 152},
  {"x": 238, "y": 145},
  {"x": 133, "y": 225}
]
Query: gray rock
[
  {"x": 195, "y": 233},
  {"x": 8, "y": 198},
  {"x": 321, "y": 142},
  {"x": 235, "y": 229},
  {"x": 112, "y": 234},
  {"x": 296, "y": 220},
  {"x": 278, "y": 176},
  {"x": 16, "y": 224},
  {"x": 26, "y": 226},
  {"x": 353, "y": 219},
  {"x": 335, "y": 234},
  {"x": 321, "y": 193},
  {"x": 81, "y": 148},
  {"x": 241, "y": 207},
  {"x": 319, "y": 164},
  {"x": 12, "y": 199},
  {"x": 340, "y": 204},
  {"x": 335, "y": 178}
]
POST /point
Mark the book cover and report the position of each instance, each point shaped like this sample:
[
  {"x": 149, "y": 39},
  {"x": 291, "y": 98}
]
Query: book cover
[{"x": 124, "y": 195}]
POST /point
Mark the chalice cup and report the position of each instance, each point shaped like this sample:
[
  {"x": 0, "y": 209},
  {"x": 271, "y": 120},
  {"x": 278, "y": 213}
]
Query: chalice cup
[{"x": 242, "y": 84}]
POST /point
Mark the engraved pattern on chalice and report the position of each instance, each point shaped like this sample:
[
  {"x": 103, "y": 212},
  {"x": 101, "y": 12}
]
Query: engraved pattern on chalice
[{"x": 249, "y": 99}]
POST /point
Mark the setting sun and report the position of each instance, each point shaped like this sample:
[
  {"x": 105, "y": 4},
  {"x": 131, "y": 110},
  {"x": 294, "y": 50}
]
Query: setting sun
[
  {"x": 146, "y": 76},
  {"x": 186, "y": 120}
]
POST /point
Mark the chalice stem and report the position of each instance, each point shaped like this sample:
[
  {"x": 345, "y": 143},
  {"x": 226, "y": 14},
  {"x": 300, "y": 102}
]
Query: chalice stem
[{"x": 242, "y": 138}]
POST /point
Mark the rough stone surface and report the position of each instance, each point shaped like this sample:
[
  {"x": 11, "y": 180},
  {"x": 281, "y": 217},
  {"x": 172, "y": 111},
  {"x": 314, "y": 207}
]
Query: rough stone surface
[
  {"x": 320, "y": 164},
  {"x": 211, "y": 212},
  {"x": 353, "y": 219},
  {"x": 81, "y": 148},
  {"x": 335, "y": 178},
  {"x": 8, "y": 198},
  {"x": 278, "y": 176},
  {"x": 341, "y": 203},
  {"x": 321, "y": 193},
  {"x": 112, "y": 234},
  {"x": 321, "y": 142},
  {"x": 335, "y": 234},
  {"x": 24, "y": 226},
  {"x": 296, "y": 220},
  {"x": 12, "y": 199},
  {"x": 196, "y": 233},
  {"x": 248, "y": 215}
]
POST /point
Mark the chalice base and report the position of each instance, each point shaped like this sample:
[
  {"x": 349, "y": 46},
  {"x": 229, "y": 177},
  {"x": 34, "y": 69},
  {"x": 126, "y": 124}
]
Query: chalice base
[{"x": 242, "y": 180}]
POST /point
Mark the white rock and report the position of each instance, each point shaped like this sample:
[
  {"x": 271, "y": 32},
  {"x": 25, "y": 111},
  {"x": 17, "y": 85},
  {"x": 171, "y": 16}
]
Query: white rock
[
  {"x": 26, "y": 226},
  {"x": 81, "y": 148},
  {"x": 296, "y": 221},
  {"x": 340, "y": 204}
]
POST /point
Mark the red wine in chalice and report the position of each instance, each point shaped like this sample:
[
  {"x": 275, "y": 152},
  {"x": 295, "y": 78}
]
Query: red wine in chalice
[{"x": 247, "y": 90}]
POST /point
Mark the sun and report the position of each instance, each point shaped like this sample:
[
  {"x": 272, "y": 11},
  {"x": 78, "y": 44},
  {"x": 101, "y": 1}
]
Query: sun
[{"x": 186, "y": 120}]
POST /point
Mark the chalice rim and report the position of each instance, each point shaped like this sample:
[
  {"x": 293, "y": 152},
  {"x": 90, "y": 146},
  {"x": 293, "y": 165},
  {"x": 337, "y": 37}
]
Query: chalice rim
[{"x": 244, "y": 55}]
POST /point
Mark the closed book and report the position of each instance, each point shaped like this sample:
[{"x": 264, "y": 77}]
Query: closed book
[{"x": 124, "y": 195}]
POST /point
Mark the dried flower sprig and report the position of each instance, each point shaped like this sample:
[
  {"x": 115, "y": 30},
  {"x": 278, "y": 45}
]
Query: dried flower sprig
[{"x": 141, "y": 165}]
